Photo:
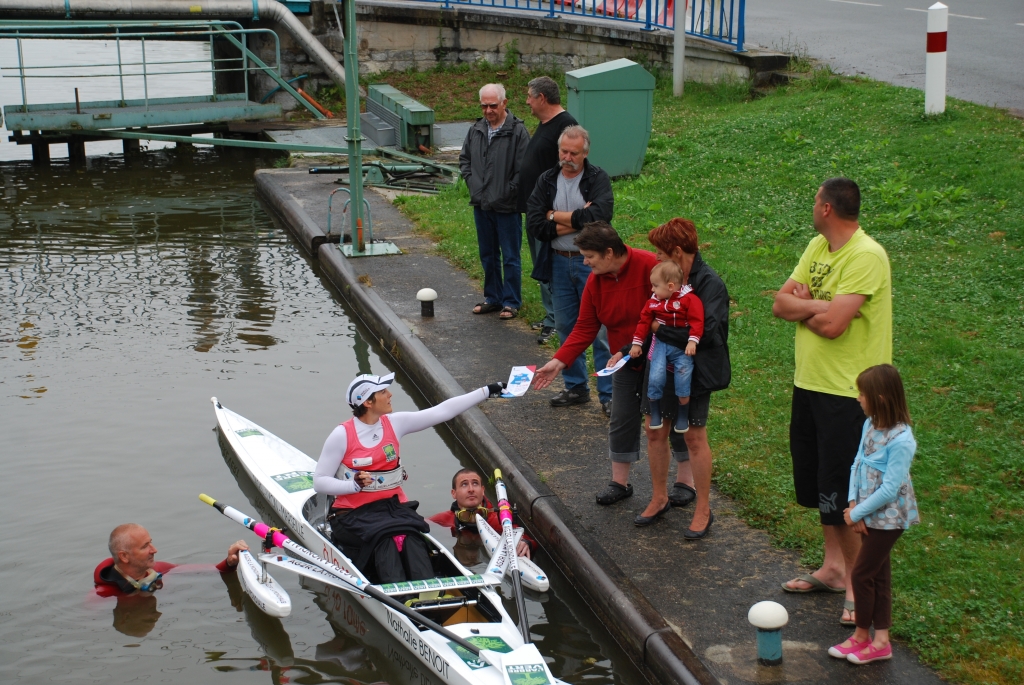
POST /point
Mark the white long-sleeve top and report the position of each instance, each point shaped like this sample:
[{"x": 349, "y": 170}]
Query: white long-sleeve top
[{"x": 325, "y": 478}]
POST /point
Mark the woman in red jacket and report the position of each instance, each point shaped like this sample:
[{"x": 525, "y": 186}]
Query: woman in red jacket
[{"x": 615, "y": 294}]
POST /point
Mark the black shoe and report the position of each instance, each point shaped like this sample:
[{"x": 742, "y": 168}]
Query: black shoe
[
  {"x": 537, "y": 325},
  {"x": 545, "y": 334},
  {"x": 569, "y": 397},
  {"x": 641, "y": 521},
  {"x": 681, "y": 495},
  {"x": 656, "y": 420},
  {"x": 606, "y": 407},
  {"x": 614, "y": 493},
  {"x": 699, "y": 534}
]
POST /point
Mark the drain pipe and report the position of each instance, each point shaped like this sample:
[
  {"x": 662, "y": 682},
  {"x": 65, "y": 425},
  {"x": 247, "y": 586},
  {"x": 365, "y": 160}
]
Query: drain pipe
[{"x": 113, "y": 10}]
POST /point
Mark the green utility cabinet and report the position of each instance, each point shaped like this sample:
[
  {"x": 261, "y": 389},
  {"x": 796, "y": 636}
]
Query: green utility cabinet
[
  {"x": 412, "y": 121},
  {"x": 614, "y": 102}
]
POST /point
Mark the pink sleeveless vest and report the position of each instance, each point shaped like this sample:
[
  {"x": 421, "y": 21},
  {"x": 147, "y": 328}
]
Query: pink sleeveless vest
[{"x": 383, "y": 457}]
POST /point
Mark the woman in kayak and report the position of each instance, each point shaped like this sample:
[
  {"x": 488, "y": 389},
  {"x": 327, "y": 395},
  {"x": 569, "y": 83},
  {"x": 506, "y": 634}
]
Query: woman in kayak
[{"x": 372, "y": 520}]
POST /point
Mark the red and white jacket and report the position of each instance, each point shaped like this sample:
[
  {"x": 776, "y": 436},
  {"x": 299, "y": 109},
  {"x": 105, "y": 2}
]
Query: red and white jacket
[{"x": 682, "y": 309}]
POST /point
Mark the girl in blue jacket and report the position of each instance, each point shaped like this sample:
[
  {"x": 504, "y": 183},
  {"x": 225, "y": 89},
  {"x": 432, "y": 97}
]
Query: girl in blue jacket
[{"x": 882, "y": 506}]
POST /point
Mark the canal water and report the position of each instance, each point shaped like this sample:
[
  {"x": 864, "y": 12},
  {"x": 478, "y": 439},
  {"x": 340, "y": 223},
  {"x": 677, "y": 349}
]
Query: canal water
[{"x": 130, "y": 293}]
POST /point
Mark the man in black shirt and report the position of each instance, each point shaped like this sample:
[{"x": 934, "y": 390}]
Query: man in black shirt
[{"x": 542, "y": 154}]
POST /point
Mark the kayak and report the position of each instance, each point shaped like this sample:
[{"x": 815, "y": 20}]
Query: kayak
[
  {"x": 466, "y": 604},
  {"x": 261, "y": 587}
]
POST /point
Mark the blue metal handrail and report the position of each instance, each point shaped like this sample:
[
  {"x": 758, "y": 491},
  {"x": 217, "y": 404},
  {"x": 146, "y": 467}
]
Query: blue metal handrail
[{"x": 717, "y": 20}]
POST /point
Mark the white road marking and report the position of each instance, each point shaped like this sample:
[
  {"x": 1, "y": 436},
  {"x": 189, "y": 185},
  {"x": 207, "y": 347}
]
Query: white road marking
[
  {"x": 960, "y": 16},
  {"x": 851, "y": 2}
]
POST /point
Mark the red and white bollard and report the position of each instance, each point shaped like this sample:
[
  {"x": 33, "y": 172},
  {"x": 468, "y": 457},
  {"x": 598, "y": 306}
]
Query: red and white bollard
[{"x": 935, "y": 61}]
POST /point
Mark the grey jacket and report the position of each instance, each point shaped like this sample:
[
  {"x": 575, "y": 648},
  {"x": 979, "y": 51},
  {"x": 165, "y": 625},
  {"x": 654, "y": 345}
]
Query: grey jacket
[{"x": 491, "y": 171}]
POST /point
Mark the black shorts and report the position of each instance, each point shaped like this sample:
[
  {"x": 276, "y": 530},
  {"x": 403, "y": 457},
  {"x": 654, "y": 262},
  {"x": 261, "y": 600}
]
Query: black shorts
[
  {"x": 629, "y": 404},
  {"x": 824, "y": 434}
]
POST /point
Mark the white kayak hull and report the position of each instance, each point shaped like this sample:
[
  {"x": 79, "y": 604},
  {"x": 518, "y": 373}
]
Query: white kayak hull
[
  {"x": 284, "y": 477},
  {"x": 269, "y": 596}
]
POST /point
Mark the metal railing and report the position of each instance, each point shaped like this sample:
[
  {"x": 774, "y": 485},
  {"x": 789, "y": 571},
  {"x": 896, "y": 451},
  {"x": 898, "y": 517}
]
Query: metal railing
[
  {"x": 145, "y": 66},
  {"x": 717, "y": 20}
]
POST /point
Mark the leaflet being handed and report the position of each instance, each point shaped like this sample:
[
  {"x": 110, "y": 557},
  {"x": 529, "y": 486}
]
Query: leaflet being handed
[{"x": 519, "y": 381}]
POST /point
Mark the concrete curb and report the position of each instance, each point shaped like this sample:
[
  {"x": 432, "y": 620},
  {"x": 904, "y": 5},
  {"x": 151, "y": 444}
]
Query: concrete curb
[{"x": 631, "y": 619}]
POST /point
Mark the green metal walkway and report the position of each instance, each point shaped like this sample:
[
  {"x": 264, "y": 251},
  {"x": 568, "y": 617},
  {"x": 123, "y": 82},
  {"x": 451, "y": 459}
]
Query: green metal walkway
[{"x": 230, "y": 61}]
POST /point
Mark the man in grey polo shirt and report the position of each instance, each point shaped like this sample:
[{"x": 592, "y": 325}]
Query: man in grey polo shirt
[{"x": 566, "y": 198}]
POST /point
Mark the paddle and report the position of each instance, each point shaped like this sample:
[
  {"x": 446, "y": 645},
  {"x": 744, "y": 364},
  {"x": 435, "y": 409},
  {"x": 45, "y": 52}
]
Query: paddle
[
  {"x": 354, "y": 584},
  {"x": 505, "y": 515}
]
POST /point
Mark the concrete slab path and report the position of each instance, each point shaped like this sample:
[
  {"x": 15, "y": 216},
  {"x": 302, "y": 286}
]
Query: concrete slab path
[{"x": 703, "y": 589}]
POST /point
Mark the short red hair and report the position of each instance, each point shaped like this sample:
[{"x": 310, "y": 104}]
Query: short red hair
[{"x": 675, "y": 233}]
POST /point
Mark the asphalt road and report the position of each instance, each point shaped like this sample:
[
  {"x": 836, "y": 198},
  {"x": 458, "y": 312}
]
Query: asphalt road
[{"x": 885, "y": 40}]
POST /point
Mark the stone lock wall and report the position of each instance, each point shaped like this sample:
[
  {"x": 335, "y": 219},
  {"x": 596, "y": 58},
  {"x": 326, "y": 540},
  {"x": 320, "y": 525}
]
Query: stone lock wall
[{"x": 397, "y": 35}]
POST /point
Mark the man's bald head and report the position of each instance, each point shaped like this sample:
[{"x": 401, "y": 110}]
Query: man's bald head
[
  {"x": 121, "y": 537},
  {"x": 132, "y": 549}
]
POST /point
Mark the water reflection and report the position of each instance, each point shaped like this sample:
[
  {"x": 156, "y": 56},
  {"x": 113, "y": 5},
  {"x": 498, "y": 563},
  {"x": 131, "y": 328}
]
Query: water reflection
[{"x": 68, "y": 232}]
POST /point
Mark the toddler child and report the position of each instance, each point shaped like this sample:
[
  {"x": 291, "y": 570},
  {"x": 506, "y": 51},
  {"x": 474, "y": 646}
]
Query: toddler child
[
  {"x": 672, "y": 304},
  {"x": 882, "y": 506}
]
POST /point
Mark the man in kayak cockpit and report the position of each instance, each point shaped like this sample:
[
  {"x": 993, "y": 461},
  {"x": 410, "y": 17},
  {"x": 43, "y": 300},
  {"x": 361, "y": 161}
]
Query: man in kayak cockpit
[
  {"x": 470, "y": 500},
  {"x": 372, "y": 521}
]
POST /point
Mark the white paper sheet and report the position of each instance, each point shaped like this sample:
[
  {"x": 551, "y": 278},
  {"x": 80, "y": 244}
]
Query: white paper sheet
[
  {"x": 519, "y": 381},
  {"x": 610, "y": 371}
]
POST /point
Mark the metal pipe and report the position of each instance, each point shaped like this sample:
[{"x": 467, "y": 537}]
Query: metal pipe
[
  {"x": 269, "y": 10},
  {"x": 354, "y": 137}
]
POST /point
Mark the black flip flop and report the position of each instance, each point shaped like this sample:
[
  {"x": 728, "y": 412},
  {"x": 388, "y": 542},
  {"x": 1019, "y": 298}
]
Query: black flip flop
[{"x": 486, "y": 307}]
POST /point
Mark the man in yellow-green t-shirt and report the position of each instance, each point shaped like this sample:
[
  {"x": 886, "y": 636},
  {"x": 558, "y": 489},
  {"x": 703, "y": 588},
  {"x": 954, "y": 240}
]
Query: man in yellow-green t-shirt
[{"x": 840, "y": 296}]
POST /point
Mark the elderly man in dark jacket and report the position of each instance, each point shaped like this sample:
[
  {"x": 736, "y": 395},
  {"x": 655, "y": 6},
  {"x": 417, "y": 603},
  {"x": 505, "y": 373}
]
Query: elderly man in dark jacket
[
  {"x": 490, "y": 160},
  {"x": 566, "y": 198}
]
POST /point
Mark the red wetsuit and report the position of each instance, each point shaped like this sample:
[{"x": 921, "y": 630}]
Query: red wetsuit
[
  {"x": 110, "y": 583},
  {"x": 447, "y": 519}
]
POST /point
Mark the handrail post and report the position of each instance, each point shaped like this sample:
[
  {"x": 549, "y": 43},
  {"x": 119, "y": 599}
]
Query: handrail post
[
  {"x": 145, "y": 75},
  {"x": 741, "y": 32},
  {"x": 647, "y": 4},
  {"x": 213, "y": 69},
  {"x": 245, "y": 63},
  {"x": 120, "y": 65},
  {"x": 551, "y": 11},
  {"x": 21, "y": 74}
]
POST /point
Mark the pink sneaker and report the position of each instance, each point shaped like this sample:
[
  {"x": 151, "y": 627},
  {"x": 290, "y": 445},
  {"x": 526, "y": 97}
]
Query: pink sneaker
[
  {"x": 869, "y": 654},
  {"x": 840, "y": 652}
]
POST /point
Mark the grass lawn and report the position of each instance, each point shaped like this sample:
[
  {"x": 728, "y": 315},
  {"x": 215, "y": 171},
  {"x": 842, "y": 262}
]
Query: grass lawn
[{"x": 945, "y": 197}]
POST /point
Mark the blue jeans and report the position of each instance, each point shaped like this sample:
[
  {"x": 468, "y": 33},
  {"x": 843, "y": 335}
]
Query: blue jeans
[
  {"x": 568, "y": 277},
  {"x": 661, "y": 356},
  {"x": 545, "y": 288},
  {"x": 500, "y": 239}
]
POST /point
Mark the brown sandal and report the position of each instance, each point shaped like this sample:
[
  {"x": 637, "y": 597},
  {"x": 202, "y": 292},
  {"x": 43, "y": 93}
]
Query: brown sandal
[{"x": 508, "y": 313}]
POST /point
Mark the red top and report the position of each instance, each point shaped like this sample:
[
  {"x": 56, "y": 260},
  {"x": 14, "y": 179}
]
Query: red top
[
  {"x": 107, "y": 586},
  {"x": 682, "y": 309},
  {"x": 613, "y": 300},
  {"x": 383, "y": 457},
  {"x": 447, "y": 519}
]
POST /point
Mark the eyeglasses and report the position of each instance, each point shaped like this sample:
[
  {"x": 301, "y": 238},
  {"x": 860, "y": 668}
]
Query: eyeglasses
[{"x": 487, "y": 105}]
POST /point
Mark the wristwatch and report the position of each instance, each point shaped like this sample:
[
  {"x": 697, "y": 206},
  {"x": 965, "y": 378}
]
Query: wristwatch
[{"x": 551, "y": 215}]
